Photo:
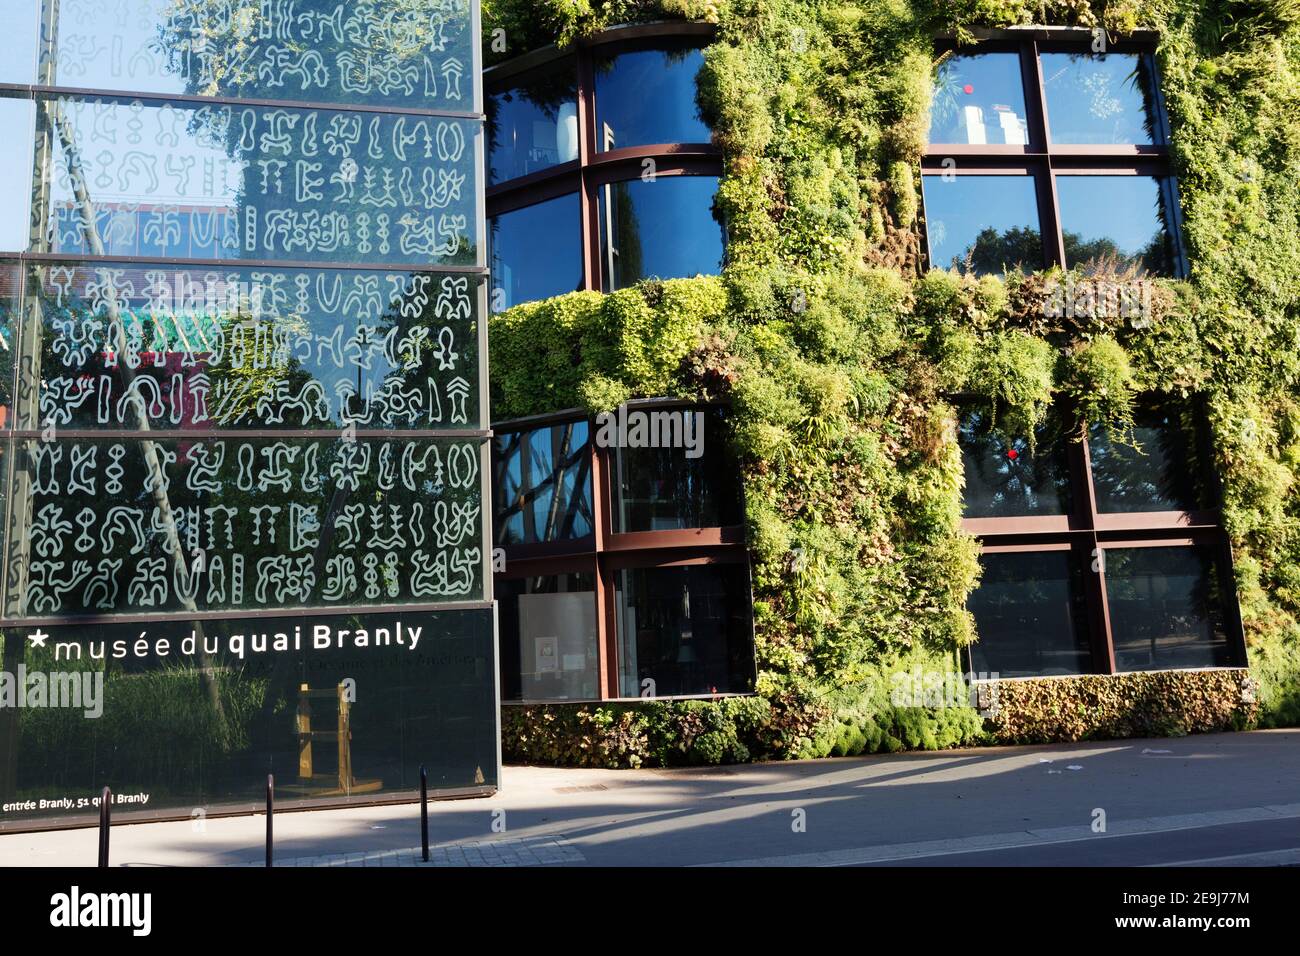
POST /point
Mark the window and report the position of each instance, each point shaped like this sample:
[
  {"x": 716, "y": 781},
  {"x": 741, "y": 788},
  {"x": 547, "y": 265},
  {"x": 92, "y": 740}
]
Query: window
[
  {"x": 603, "y": 171},
  {"x": 1101, "y": 552},
  {"x": 662, "y": 228},
  {"x": 625, "y": 561},
  {"x": 536, "y": 252},
  {"x": 1043, "y": 152}
]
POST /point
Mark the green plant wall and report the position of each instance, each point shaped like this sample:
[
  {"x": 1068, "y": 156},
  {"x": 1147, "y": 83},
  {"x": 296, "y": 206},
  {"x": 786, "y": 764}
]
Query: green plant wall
[{"x": 836, "y": 350}]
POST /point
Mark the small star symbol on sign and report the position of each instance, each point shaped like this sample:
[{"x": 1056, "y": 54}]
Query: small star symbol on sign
[{"x": 38, "y": 638}]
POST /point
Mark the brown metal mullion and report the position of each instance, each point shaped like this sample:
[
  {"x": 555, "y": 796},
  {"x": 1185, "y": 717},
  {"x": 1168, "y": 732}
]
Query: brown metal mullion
[
  {"x": 1095, "y": 599},
  {"x": 590, "y": 209},
  {"x": 606, "y": 607},
  {"x": 1049, "y": 209}
]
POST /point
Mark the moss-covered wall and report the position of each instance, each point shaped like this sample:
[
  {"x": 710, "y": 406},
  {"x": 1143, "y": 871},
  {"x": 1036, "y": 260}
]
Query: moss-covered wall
[{"x": 836, "y": 353}]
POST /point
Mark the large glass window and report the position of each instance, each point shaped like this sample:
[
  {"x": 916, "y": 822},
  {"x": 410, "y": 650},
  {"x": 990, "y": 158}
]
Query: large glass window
[
  {"x": 979, "y": 99},
  {"x": 983, "y": 224},
  {"x": 1002, "y": 194},
  {"x": 542, "y": 489},
  {"x": 1100, "y": 98},
  {"x": 1161, "y": 466},
  {"x": 549, "y": 639},
  {"x": 533, "y": 126},
  {"x": 646, "y": 97},
  {"x": 660, "y": 228},
  {"x": 1115, "y": 221},
  {"x": 666, "y": 488},
  {"x": 685, "y": 630},
  {"x": 536, "y": 252},
  {"x": 552, "y": 127},
  {"x": 1166, "y": 608},
  {"x": 1012, "y": 476},
  {"x": 1029, "y": 615}
]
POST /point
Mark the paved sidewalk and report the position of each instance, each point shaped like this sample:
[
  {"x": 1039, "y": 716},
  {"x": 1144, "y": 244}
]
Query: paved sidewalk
[{"x": 1158, "y": 801}]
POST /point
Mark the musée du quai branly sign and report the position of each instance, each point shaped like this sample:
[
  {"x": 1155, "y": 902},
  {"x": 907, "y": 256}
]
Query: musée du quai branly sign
[{"x": 243, "y": 408}]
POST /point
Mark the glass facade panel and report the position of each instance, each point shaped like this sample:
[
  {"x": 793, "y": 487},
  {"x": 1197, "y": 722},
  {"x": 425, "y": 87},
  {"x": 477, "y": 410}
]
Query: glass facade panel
[
  {"x": 210, "y": 524},
  {"x": 1104, "y": 98},
  {"x": 1115, "y": 221},
  {"x": 18, "y": 120},
  {"x": 647, "y": 97},
  {"x": 979, "y": 99},
  {"x": 1029, "y": 616},
  {"x": 542, "y": 485},
  {"x": 663, "y": 228},
  {"x": 1010, "y": 477},
  {"x": 983, "y": 224},
  {"x": 1166, "y": 608},
  {"x": 664, "y": 488},
  {"x": 549, "y": 640},
  {"x": 255, "y": 348},
  {"x": 536, "y": 252},
  {"x": 197, "y": 715},
  {"x": 685, "y": 629},
  {"x": 313, "y": 51},
  {"x": 1161, "y": 468},
  {"x": 533, "y": 127},
  {"x": 261, "y": 183}
]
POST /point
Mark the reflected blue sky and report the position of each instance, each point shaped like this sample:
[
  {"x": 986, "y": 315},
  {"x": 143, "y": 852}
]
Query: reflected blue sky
[
  {"x": 979, "y": 98},
  {"x": 957, "y": 212},
  {"x": 1123, "y": 209}
]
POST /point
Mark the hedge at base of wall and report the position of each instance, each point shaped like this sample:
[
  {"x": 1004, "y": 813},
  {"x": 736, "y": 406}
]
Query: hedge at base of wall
[{"x": 1097, "y": 707}]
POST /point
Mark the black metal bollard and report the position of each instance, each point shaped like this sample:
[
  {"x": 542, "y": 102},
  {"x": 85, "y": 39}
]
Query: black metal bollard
[
  {"x": 270, "y": 815},
  {"x": 424, "y": 812},
  {"x": 105, "y": 823}
]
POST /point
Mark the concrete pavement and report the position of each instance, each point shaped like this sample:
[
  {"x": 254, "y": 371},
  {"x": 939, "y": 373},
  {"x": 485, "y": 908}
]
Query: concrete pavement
[{"x": 1224, "y": 799}]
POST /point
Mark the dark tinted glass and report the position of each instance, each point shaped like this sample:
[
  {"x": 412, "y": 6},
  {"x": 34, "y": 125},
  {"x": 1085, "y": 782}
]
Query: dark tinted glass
[
  {"x": 1029, "y": 616},
  {"x": 1009, "y": 477},
  {"x": 647, "y": 97},
  {"x": 533, "y": 127},
  {"x": 549, "y": 644},
  {"x": 536, "y": 252},
  {"x": 542, "y": 489},
  {"x": 1120, "y": 221},
  {"x": 1166, "y": 608},
  {"x": 1162, "y": 469},
  {"x": 195, "y": 714},
  {"x": 687, "y": 629},
  {"x": 979, "y": 98},
  {"x": 409, "y": 54},
  {"x": 985, "y": 224},
  {"x": 663, "y": 228},
  {"x": 1100, "y": 98},
  {"x": 663, "y": 489},
  {"x": 261, "y": 183}
]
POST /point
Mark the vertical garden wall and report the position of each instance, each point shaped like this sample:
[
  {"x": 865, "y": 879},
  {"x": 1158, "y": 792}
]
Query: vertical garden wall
[{"x": 838, "y": 354}]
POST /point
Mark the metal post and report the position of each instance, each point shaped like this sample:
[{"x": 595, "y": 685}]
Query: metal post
[
  {"x": 105, "y": 798},
  {"x": 270, "y": 814},
  {"x": 424, "y": 812}
]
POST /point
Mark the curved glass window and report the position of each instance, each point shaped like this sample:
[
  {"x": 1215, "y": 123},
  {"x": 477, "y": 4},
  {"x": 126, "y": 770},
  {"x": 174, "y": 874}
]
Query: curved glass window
[
  {"x": 662, "y": 228},
  {"x": 1104, "y": 98},
  {"x": 646, "y": 97},
  {"x": 542, "y": 489},
  {"x": 533, "y": 126},
  {"x": 1010, "y": 477},
  {"x": 686, "y": 630},
  {"x": 983, "y": 224},
  {"x": 1166, "y": 608},
  {"x": 536, "y": 252},
  {"x": 1115, "y": 220},
  {"x": 1029, "y": 613},
  {"x": 979, "y": 99}
]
